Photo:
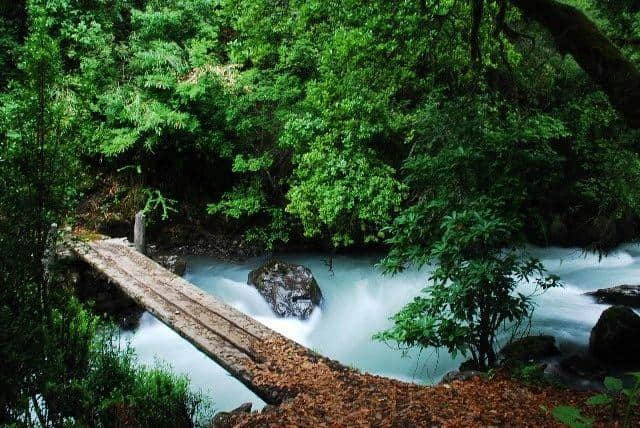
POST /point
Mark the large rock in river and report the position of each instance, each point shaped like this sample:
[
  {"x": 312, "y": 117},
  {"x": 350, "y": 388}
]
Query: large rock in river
[
  {"x": 621, "y": 295},
  {"x": 615, "y": 338},
  {"x": 290, "y": 289}
]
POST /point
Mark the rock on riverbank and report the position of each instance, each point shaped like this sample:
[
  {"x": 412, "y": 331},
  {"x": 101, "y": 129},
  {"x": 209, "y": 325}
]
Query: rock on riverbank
[
  {"x": 173, "y": 263},
  {"x": 628, "y": 295},
  {"x": 615, "y": 338}
]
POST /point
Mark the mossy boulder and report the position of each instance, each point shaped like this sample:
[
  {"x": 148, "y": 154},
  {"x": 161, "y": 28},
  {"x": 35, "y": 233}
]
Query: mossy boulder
[
  {"x": 615, "y": 338},
  {"x": 290, "y": 289}
]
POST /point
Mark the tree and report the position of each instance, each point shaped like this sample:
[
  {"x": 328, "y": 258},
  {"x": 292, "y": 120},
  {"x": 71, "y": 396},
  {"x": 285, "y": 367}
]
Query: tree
[
  {"x": 576, "y": 34},
  {"x": 471, "y": 297},
  {"x": 56, "y": 370},
  {"x": 13, "y": 28}
]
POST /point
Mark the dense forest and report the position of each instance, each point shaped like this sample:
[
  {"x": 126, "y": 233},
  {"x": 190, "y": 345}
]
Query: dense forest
[{"x": 449, "y": 130}]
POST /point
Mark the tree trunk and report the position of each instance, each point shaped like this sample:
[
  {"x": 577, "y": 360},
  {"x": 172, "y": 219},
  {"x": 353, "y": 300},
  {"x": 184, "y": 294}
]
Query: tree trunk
[
  {"x": 491, "y": 356},
  {"x": 593, "y": 51}
]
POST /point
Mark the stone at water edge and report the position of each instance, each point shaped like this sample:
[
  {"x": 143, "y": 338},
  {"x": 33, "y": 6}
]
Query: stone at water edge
[
  {"x": 290, "y": 289},
  {"x": 584, "y": 366},
  {"x": 461, "y": 375},
  {"x": 628, "y": 295},
  {"x": 615, "y": 338},
  {"x": 173, "y": 263},
  {"x": 223, "y": 419},
  {"x": 530, "y": 348}
]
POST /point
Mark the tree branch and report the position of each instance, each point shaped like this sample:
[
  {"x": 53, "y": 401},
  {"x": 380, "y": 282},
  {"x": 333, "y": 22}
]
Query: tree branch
[
  {"x": 478, "y": 6},
  {"x": 577, "y": 35}
]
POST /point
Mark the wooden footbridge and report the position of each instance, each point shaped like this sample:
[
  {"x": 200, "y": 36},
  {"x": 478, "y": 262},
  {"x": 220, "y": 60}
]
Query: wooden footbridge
[
  {"x": 311, "y": 390},
  {"x": 226, "y": 335}
]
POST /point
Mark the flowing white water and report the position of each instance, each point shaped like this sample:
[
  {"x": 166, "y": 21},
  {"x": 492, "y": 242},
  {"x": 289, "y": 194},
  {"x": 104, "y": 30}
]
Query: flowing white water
[{"x": 358, "y": 301}]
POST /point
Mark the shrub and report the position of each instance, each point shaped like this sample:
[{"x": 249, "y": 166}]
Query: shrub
[{"x": 472, "y": 292}]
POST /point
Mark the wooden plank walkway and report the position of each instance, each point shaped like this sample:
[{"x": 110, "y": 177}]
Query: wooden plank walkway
[{"x": 221, "y": 332}]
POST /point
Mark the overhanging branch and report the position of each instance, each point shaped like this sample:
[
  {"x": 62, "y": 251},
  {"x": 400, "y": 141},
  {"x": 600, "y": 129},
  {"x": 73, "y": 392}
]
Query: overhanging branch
[{"x": 577, "y": 35}]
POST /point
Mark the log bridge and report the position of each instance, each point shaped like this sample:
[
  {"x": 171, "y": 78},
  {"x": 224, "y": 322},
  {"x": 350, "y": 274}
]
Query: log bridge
[{"x": 221, "y": 332}]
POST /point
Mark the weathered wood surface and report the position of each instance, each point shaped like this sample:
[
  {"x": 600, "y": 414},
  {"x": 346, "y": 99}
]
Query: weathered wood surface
[
  {"x": 220, "y": 331},
  {"x": 139, "y": 239}
]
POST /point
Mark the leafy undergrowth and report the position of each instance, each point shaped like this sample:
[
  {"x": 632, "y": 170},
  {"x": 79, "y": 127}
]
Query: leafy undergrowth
[{"x": 325, "y": 393}]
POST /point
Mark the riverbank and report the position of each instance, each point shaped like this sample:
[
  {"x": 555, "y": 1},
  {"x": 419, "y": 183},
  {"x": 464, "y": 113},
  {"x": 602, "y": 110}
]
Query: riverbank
[
  {"x": 328, "y": 397},
  {"x": 113, "y": 200}
]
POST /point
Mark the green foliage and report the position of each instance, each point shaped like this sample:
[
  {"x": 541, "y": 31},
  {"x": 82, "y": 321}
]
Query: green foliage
[
  {"x": 614, "y": 392},
  {"x": 318, "y": 95},
  {"x": 471, "y": 295},
  {"x": 364, "y": 77},
  {"x": 157, "y": 202},
  {"x": 633, "y": 396},
  {"x": 174, "y": 96},
  {"x": 532, "y": 374},
  {"x": 90, "y": 377},
  {"x": 572, "y": 417},
  {"x": 611, "y": 397},
  {"x": 350, "y": 122},
  {"x": 245, "y": 199},
  {"x": 338, "y": 191},
  {"x": 56, "y": 370},
  {"x": 115, "y": 387},
  {"x": 13, "y": 28}
]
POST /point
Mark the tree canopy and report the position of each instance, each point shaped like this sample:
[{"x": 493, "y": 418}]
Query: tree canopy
[{"x": 454, "y": 130}]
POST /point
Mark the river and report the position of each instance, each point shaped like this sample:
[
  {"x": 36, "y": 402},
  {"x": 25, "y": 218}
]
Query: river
[{"x": 358, "y": 300}]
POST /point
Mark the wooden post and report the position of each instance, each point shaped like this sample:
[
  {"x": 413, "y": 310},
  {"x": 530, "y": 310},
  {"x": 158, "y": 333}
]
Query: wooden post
[{"x": 138, "y": 233}]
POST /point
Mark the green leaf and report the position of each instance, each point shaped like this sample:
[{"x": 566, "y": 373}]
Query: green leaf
[
  {"x": 599, "y": 400},
  {"x": 613, "y": 384},
  {"x": 571, "y": 416}
]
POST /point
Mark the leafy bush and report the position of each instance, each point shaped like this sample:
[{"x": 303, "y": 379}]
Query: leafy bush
[
  {"x": 532, "y": 374},
  {"x": 88, "y": 376},
  {"x": 118, "y": 389},
  {"x": 572, "y": 417},
  {"x": 472, "y": 292}
]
